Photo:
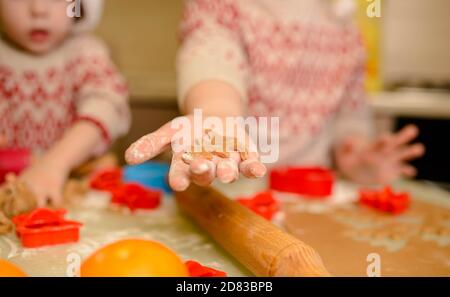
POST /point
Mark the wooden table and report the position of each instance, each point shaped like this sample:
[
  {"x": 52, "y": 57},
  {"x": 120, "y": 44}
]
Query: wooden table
[{"x": 103, "y": 225}]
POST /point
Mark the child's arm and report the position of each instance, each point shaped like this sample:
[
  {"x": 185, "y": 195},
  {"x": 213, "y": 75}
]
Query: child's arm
[
  {"x": 358, "y": 154},
  {"x": 212, "y": 66},
  {"x": 102, "y": 116},
  {"x": 212, "y": 76},
  {"x": 210, "y": 95},
  {"x": 47, "y": 176}
]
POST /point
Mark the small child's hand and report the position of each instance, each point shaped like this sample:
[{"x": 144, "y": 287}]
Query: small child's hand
[
  {"x": 383, "y": 160},
  {"x": 46, "y": 180},
  {"x": 201, "y": 171}
]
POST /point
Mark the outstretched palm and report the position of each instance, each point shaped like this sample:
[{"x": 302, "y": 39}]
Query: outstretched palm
[{"x": 201, "y": 167}]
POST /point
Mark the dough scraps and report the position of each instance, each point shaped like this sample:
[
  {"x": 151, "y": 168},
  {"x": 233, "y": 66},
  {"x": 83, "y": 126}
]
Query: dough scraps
[
  {"x": 16, "y": 198},
  {"x": 214, "y": 144}
]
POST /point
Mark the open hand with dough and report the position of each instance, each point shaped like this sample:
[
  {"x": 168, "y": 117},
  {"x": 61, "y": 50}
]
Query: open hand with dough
[{"x": 223, "y": 157}]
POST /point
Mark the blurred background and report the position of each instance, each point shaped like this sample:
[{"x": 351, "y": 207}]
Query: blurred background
[{"x": 408, "y": 70}]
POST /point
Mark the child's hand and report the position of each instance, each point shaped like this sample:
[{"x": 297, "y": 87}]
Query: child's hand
[
  {"x": 46, "y": 180},
  {"x": 200, "y": 171},
  {"x": 381, "y": 161}
]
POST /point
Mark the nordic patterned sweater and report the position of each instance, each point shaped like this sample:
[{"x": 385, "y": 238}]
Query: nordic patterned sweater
[
  {"x": 293, "y": 59},
  {"x": 41, "y": 96}
]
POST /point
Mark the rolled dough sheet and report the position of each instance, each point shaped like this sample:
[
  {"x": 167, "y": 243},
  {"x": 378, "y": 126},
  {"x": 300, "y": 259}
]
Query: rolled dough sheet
[{"x": 416, "y": 243}]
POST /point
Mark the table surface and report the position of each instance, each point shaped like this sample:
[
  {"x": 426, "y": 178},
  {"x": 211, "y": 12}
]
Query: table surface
[{"x": 103, "y": 225}]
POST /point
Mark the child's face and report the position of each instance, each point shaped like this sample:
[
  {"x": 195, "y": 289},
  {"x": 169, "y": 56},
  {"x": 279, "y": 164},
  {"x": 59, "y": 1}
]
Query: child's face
[{"x": 37, "y": 26}]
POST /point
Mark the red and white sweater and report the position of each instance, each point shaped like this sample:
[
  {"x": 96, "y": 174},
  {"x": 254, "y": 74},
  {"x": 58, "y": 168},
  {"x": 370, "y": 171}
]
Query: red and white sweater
[
  {"x": 42, "y": 96},
  {"x": 294, "y": 59}
]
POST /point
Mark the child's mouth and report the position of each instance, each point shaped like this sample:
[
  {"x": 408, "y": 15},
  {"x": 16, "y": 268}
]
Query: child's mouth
[{"x": 39, "y": 35}]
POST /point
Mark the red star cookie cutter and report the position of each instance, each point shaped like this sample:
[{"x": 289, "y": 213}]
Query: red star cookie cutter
[
  {"x": 132, "y": 195},
  {"x": 385, "y": 200},
  {"x": 43, "y": 227},
  {"x": 106, "y": 180},
  {"x": 309, "y": 181},
  {"x": 198, "y": 270},
  {"x": 262, "y": 203},
  {"x": 135, "y": 196}
]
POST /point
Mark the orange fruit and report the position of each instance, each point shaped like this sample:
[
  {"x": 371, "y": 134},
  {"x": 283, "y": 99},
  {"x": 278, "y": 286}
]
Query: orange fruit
[
  {"x": 8, "y": 269},
  {"x": 133, "y": 257}
]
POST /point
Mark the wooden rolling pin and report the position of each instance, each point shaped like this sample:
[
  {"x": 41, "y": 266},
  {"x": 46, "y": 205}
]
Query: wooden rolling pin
[{"x": 256, "y": 243}]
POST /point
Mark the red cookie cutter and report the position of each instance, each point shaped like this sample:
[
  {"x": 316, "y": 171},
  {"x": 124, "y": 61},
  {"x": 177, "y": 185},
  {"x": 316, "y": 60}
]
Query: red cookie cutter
[
  {"x": 44, "y": 226},
  {"x": 198, "y": 270},
  {"x": 385, "y": 200},
  {"x": 106, "y": 180},
  {"x": 135, "y": 196},
  {"x": 313, "y": 181},
  {"x": 132, "y": 195},
  {"x": 262, "y": 203}
]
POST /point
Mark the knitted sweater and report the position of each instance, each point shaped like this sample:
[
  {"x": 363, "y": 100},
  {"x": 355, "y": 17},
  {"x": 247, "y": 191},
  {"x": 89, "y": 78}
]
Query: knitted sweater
[
  {"x": 293, "y": 59},
  {"x": 42, "y": 96}
]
